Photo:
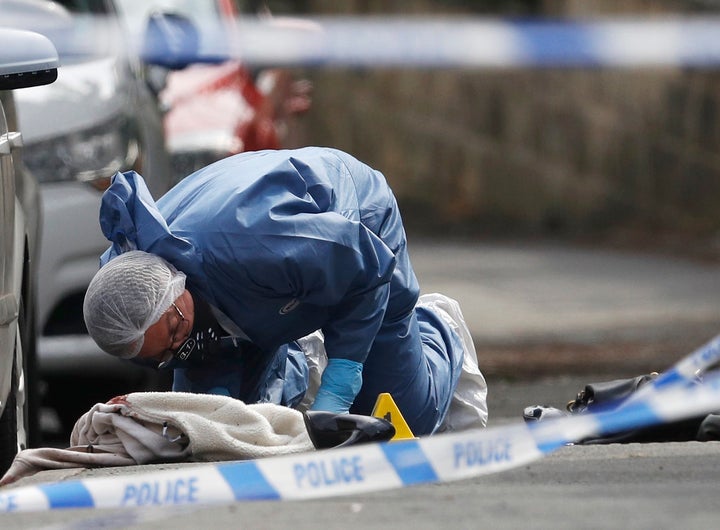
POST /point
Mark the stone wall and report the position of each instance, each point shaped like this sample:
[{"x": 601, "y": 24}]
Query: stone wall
[{"x": 560, "y": 152}]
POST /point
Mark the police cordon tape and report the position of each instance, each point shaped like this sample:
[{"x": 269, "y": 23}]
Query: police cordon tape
[
  {"x": 675, "y": 395},
  {"x": 481, "y": 42},
  {"x": 414, "y": 41}
]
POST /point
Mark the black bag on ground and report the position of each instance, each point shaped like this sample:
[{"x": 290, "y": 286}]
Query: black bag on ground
[
  {"x": 607, "y": 395},
  {"x": 610, "y": 394}
]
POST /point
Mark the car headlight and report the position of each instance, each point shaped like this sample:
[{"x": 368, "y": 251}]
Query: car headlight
[{"x": 92, "y": 155}]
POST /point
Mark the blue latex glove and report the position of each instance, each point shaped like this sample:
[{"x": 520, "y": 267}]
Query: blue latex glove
[{"x": 340, "y": 383}]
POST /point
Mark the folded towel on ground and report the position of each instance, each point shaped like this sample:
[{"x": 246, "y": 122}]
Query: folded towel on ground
[{"x": 152, "y": 427}]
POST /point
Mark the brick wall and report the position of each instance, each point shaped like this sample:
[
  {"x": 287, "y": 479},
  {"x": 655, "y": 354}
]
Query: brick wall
[{"x": 562, "y": 152}]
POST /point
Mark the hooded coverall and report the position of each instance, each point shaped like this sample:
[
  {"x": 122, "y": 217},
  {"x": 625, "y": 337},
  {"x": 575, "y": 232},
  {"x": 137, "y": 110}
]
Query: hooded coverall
[{"x": 284, "y": 243}]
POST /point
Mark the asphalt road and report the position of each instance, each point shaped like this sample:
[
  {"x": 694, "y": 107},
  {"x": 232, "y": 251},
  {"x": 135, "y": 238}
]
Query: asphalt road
[
  {"x": 546, "y": 319},
  {"x": 530, "y": 292}
]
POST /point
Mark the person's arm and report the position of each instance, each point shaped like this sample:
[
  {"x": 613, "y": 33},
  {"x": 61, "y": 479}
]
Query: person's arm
[
  {"x": 339, "y": 266},
  {"x": 354, "y": 281},
  {"x": 348, "y": 338}
]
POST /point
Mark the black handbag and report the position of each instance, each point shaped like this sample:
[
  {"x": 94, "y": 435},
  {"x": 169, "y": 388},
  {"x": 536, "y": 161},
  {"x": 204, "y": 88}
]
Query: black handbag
[{"x": 608, "y": 395}]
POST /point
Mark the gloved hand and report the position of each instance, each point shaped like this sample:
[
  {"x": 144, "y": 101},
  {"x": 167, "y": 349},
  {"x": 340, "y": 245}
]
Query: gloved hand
[{"x": 340, "y": 383}]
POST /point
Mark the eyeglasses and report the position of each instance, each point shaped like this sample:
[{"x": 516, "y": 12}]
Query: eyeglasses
[
  {"x": 164, "y": 336},
  {"x": 174, "y": 333},
  {"x": 167, "y": 355}
]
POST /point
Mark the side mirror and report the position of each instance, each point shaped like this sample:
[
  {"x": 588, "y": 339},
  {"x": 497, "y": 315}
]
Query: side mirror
[
  {"x": 26, "y": 59},
  {"x": 171, "y": 41}
]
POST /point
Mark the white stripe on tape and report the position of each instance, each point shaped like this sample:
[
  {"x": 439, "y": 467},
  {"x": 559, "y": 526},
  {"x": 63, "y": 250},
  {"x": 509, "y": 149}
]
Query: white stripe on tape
[{"x": 203, "y": 485}]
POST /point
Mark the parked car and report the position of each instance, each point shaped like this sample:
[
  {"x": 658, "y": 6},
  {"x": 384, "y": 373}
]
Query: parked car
[
  {"x": 98, "y": 118},
  {"x": 26, "y": 59},
  {"x": 217, "y": 110}
]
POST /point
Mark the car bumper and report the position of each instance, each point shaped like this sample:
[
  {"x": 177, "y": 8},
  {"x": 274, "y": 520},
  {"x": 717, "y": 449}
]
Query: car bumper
[{"x": 75, "y": 354}]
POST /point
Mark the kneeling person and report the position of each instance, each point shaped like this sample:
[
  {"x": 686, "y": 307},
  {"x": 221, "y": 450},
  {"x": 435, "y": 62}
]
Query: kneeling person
[{"x": 224, "y": 277}]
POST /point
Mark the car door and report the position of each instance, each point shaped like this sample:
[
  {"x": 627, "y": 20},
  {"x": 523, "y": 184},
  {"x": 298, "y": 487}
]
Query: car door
[
  {"x": 8, "y": 298},
  {"x": 26, "y": 59},
  {"x": 8, "y": 303}
]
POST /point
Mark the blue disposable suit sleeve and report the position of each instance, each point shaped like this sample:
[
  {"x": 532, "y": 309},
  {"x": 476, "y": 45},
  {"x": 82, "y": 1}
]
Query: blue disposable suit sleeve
[
  {"x": 354, "y": 324},
  {"x": 340, "y": 383}
]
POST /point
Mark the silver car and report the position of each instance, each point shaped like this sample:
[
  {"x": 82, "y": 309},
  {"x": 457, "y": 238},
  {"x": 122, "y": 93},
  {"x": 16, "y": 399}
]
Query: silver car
[
  {"x": 26, "y": 59},
  {"x": 100, "y": 117}
]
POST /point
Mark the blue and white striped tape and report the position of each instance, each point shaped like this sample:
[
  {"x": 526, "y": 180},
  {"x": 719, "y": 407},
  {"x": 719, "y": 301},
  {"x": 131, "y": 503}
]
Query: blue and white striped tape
[
  {"x": 689, "y": 367},
  {"x": 375, "y": 467},
  {"x": 474, "y": 42},
  {"x": 430, "y": 41}
]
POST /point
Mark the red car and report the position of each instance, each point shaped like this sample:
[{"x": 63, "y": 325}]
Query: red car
[
  {"x": 217, "y": 110},
  {"x": 220, "y": 110}
]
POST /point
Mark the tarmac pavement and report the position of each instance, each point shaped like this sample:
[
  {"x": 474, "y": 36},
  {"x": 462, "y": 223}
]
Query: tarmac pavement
[
  {"x": 544, "y": 308},
  {"x": 518, "y": 292},
  {"x": 546, "y": 318}
]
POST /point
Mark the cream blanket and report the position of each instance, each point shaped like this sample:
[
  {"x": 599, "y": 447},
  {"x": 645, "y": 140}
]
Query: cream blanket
[{"x": 152, "y": 427}]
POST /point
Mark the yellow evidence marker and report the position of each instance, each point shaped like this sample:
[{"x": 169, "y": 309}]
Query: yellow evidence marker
[{"x": 386, "y": 408}]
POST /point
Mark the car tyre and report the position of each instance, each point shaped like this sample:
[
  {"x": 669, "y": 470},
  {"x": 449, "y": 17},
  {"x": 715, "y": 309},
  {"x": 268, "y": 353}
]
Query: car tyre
[
  {"x": 9, "y": 426},
  {"x": 15, "y": 429}
]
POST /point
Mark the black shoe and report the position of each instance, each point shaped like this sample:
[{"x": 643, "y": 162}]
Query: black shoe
[{"x": 327, "y": 429}]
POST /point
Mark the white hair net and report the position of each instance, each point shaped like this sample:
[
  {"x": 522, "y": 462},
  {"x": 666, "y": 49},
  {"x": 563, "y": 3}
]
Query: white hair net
[{"x": 127, "y": 296}]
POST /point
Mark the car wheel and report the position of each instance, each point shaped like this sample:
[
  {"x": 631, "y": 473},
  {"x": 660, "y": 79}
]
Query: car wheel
[
  {"x": 14, "y": 422},
  {"x": 9, "y": 426},
  {"x": 8, "y": 434},
  {"x": 31, "y": 381}
]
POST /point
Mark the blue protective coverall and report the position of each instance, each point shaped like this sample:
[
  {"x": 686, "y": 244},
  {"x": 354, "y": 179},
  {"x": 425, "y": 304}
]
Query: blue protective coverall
[{"x": 285, "y": 243}]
